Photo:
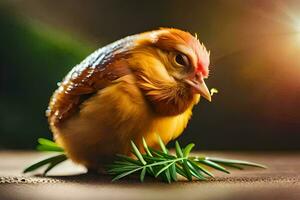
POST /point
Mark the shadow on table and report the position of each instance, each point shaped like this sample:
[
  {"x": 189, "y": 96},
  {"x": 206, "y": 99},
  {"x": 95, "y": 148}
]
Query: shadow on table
[{"x": 98, "y": 178}]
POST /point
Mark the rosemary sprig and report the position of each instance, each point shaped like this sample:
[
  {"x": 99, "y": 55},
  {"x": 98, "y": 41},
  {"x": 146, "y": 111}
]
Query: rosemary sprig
[
  {"x": 154, "y": 163},
  {"x": 48, "y": 145},
  {"x": 161, "y": 164}
]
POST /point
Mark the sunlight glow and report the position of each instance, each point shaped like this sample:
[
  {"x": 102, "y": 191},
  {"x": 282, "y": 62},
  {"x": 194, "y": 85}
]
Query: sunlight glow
[{"x": 293, "y": 18}]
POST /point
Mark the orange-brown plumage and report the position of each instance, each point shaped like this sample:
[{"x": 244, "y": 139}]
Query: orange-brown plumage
[{"x": 140, "y": 86}]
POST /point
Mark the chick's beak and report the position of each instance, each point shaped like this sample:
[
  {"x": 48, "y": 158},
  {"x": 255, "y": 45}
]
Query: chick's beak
[{"x": 200, "y": 87}]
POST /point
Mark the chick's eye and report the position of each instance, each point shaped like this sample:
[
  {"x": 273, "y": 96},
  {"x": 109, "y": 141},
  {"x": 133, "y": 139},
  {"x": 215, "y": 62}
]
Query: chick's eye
[{"x": 181, "y": 60}]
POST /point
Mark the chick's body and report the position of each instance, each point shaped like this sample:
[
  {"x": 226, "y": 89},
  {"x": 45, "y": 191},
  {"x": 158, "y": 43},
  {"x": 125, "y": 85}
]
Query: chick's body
[{"x": 130, "y": 89}]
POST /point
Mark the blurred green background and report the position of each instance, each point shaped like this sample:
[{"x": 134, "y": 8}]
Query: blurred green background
[{"x": 255, "y": 49}]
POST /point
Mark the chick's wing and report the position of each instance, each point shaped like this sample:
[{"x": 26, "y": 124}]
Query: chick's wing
[{"x": 94, "y": 73}]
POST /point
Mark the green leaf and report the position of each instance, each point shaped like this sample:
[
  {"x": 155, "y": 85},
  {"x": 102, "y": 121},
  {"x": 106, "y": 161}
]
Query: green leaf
[
  {"x": 137, "y": 153},
  {"x": 173, "y": 172},
  {"x": 126, "y": 173},
  {"x": 161, "y": 154},
  {"x": 187, "y": 149},
  {"x": 237, "y": 162},
  {"x": 187, "y": 170},
  {"x": 146, "y": 147},
  {"x": 120, "y": 169},
  {"x": 55, "y": 163},
  {"x": 152, "y": 159},
  {"x": 197, "y": 175},
  {"x": 47, "y": 142},
  {"x": 162, "y": 145},
  {"x": 195, "y": 172},
  {"x": 195, "y": 165},
  {"x": 214, "y": 165},
  {"x": 151, "y": 171},
  {"x": 178, "y": 150},
  {"x": 48, "y": 145},
  {"x": 185, "y": 167},
  {"x": 181, "y": 171},
  {"x": 167, "y": 171},
  {"x": 125, "y": 162},
  {"x": 166, "y": 167},
  {"x": 49, "y": 148},
  {"x": 142, "y": 176},
  {"x": 231, "y": 166},
  {"x": 43, "y": 162},
  {"x": 167, "y": 177}
]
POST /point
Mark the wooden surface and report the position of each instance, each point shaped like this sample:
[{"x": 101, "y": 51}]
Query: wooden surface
[{"x": 280, "y": 181}]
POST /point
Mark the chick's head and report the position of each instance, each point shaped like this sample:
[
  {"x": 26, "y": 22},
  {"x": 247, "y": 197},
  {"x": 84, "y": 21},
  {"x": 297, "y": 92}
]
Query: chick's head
[{"x": 170, "y": 66}]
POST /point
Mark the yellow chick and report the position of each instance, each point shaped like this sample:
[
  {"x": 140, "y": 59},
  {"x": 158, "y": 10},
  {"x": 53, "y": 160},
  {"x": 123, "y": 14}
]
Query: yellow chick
[{"x": 139, "y": 86}]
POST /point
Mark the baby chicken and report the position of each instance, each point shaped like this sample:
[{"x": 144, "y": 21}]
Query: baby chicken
[{"x": 140, "y": 86}]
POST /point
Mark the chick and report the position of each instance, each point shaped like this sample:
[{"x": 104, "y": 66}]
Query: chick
[{"x": 139, "y": 86}]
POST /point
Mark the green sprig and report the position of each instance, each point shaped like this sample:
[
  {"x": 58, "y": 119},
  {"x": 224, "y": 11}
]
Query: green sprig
[
  {"x": 48, "y": 145},
  {"x": 155, "y": 163},
  {"x": 166, "y": 166}
]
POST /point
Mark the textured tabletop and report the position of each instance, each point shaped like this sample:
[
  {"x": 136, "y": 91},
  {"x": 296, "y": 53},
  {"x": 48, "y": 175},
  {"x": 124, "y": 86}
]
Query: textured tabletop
[{"x": 280, "y": 181}]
